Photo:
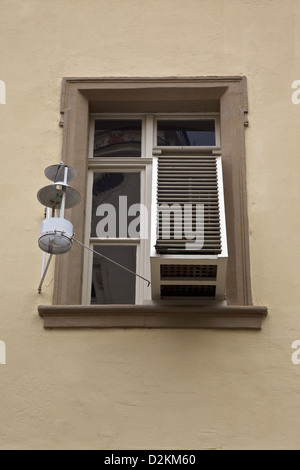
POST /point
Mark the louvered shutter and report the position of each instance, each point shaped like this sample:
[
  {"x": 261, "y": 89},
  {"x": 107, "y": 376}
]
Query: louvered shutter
[
  {"x": 185, "y": 183},
  {"x": 190, "y": 249}
]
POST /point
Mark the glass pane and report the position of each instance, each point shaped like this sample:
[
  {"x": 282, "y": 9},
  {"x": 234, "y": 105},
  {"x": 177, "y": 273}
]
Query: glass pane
[
  {"x": 110, "y": 283},
  {"x": 113, "y": 196},
  {"x": 186, "y": 133},
  {"x": 117, "y": 138}
]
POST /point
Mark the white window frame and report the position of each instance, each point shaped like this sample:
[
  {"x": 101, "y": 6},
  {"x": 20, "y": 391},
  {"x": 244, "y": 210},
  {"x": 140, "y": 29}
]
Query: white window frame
[
  {"x": 145, "y": 165},
  {"x": 141, "y": 165},
  {"x": 156, "y": 259}
]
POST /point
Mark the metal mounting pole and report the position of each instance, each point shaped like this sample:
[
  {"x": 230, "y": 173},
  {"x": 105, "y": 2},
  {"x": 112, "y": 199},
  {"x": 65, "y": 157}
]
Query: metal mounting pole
[
  {"x": 47, "y": 215},
  {"x": 44, "y": 273},
  {"x": 63, "y": 201}
]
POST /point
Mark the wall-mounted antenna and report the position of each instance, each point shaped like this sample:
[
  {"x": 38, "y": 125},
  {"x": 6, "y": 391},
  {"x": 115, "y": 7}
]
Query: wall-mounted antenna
[
  {"x": 56, "y": 236},
  {"x": 57, "y": 232}
]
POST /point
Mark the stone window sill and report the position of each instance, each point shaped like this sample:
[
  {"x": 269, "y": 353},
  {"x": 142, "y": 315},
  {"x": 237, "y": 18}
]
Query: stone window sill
[{"x": 152, "y": 316}]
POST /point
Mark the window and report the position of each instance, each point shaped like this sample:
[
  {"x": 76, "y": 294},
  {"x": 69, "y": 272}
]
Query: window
[
  {"x": 117, "y": 138},
  {"x": 116, "y": 226},
  {"x": 165, "y": 97},
  {"x": 187, "y": 132},
  {"x": 188, "y": 192},
  {"x": 120, "y": 162}
]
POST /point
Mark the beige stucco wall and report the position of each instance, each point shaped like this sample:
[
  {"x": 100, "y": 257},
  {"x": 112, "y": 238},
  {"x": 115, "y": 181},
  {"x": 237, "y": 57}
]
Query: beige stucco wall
[{"x": 150, "y": 388}]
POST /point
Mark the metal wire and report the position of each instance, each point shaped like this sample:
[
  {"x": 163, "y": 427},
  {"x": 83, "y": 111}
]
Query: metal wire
[{"x": 112, "y": 261}]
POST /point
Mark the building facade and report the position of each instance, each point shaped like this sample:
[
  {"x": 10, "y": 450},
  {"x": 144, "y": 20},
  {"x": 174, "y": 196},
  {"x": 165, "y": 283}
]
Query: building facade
[{"x": 147, "y": 100}]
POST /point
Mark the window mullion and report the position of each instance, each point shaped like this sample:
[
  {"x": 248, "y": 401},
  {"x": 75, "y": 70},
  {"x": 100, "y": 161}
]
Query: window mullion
[{"x": 149, "y": 134}]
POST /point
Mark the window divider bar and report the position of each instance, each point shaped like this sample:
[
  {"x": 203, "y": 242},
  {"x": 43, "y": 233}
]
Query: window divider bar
[
  {"x": 122, "y": 163},
  {"x": 114, "y": 241},
  {"x": 207, "y": 150}
]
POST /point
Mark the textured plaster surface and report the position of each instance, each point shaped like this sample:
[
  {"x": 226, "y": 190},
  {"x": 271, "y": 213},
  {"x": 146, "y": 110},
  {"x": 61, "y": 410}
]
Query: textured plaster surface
[{"x": 173, "y": 389}]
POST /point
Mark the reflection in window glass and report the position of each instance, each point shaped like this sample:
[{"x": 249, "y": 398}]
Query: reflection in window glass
[
  {"x": 186, "y": 133},
  {"x": 113, "y": 194},
  {"x": 110, "y": 283},
  {"x": 117, "y": 138}
]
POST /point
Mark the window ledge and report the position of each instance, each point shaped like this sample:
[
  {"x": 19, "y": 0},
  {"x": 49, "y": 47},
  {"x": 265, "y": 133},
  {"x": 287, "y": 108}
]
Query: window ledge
[{"x": 152, "y": 316}]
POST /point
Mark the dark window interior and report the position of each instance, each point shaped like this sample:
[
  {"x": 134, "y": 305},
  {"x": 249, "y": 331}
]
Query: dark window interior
[
  {"x": 117, "y": 138},
  {"x": 186, "y": 133},
  {"x": 110, "y": 283},
  {"x": 120, "y": 190}
]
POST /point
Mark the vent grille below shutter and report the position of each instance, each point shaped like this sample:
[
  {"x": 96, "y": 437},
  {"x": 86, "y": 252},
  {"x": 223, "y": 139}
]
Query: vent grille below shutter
[
  {"x": 189, "y": 271},
  {"x": 187, "y": 291},
  {"x": 183, "y": 183}
]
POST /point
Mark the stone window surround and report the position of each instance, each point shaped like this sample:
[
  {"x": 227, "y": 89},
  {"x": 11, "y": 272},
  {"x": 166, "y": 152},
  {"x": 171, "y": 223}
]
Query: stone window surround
[{"x": 227, "y": 95}]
